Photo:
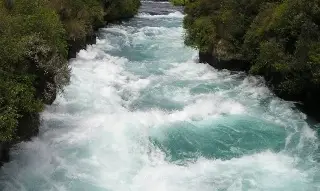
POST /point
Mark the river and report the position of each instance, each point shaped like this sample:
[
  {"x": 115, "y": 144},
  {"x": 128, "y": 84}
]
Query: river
[{"x": 141, "y": 115}]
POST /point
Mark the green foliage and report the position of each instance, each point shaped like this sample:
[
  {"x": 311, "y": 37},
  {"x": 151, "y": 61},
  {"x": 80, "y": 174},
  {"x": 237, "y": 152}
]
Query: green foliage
[
  {"x": 33, "y": 51},
  {"x": 16, "y": 97},
  {"x": 179, "y": 2},
  {"x": 228, "y": 19},
  {"x": 200, "y": 24},
  {"x": 201, "y": 34},
  {"x": 26, "y": 27},
  {"x": 122, "y": 9},
  {"x": 78, "y": 16},
  {"x": 279, "y": 38},
  {"x": 294, "y": 26}
]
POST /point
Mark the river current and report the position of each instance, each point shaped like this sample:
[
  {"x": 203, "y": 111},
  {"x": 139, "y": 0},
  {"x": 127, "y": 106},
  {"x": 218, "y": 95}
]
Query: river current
[{"x": 140, "y": 114}]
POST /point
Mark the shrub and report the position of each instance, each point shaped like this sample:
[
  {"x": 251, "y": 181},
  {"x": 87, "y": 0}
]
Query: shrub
[
  {"x": 278, "y": 38},
  {"x": 34, "y": 48},
  {"x": 121, "y": 9},
  {"x": 179, "y": 2}
]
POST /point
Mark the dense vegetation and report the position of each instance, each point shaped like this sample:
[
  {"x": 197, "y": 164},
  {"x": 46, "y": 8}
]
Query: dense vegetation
[
  {"x": 35, "y": 37},
  {"x": 179, "y": 2},
  {"x": 279, "y": 39}
]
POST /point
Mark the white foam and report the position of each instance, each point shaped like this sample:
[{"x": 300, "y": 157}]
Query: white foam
[
  {"x": 176, "y": 14},
  {"x": 91, "y": 138},
  {"x": 160, "y": 2},
  {"x": 262, "y": 171}
]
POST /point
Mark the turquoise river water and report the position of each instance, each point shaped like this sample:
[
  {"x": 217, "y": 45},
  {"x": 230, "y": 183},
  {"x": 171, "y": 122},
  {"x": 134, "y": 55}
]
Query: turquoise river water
[{"x": 141, "y": 115}]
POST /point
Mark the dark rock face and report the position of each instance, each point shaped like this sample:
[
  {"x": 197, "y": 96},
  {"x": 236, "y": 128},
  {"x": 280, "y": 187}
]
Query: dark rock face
[
  {"x": 27, "y": 128},
  {"x": 308, "y": 102},
  {"x": 46, "y": 89},
  {"x": 78, "y": 44},
  {"x": 233, "y": 65},
  {"x": 9, "y": 4},
  {"x": 4, "y": 152},
  {"x": 28, "y": 125}
]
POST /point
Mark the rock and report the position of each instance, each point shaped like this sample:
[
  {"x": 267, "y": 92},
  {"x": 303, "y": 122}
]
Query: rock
[
  {"x": 233, "y": 64},
  {"x": 307, "y": 102},
  {"x": 76, "y": 45},
  {"x": 9, "y": 4},
  {"x": 28, "y": 127},
  {"x": 46, "y": 89},
  {"x": 46, "y": 86},
  {"x": 4, "y": 152}
]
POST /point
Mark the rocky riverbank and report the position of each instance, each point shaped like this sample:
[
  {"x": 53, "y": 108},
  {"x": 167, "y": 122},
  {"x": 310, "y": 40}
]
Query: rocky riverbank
[
  {"x": 38, "y": 38},
  {"x": 279, "y": 40}
]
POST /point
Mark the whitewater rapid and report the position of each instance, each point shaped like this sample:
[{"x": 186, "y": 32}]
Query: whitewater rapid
[{"x": 141, "y": 115}]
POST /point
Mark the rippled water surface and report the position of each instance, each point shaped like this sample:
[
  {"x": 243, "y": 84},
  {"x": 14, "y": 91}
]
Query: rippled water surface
[{"x": 141, "y": 115}]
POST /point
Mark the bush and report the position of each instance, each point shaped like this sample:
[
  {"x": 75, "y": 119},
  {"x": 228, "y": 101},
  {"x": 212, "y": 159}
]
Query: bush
[
  {"x": 32, "y": 41},
  {"x": 79, "y": 17},
  {"x": 34, "y": 48},
  {"x": 228, "y": 20},
  {"x": 179, "y": 2},
  {"x": 278, "y": 38},
  {"x": 294, "y": 26},
  {"x": 121, "y": 9}
]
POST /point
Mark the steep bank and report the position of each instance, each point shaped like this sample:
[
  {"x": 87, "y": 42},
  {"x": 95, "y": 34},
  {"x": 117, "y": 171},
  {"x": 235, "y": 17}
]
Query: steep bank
[
  {"x": 279, "y": 40},
  {"x": 37, "y": 38},
  {"x": 179, "y": 2},
  {"x": 140, "y": 114}
]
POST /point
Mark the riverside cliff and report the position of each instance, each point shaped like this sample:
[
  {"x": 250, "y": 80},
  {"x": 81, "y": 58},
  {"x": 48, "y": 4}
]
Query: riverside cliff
[
  {"x": 37, "y": 38},
  {"x": 277, "y": 39}
]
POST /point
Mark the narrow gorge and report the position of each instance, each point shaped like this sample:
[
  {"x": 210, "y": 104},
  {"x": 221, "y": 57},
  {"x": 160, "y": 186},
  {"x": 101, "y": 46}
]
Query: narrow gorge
[{"x": 140, "y": 113}]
